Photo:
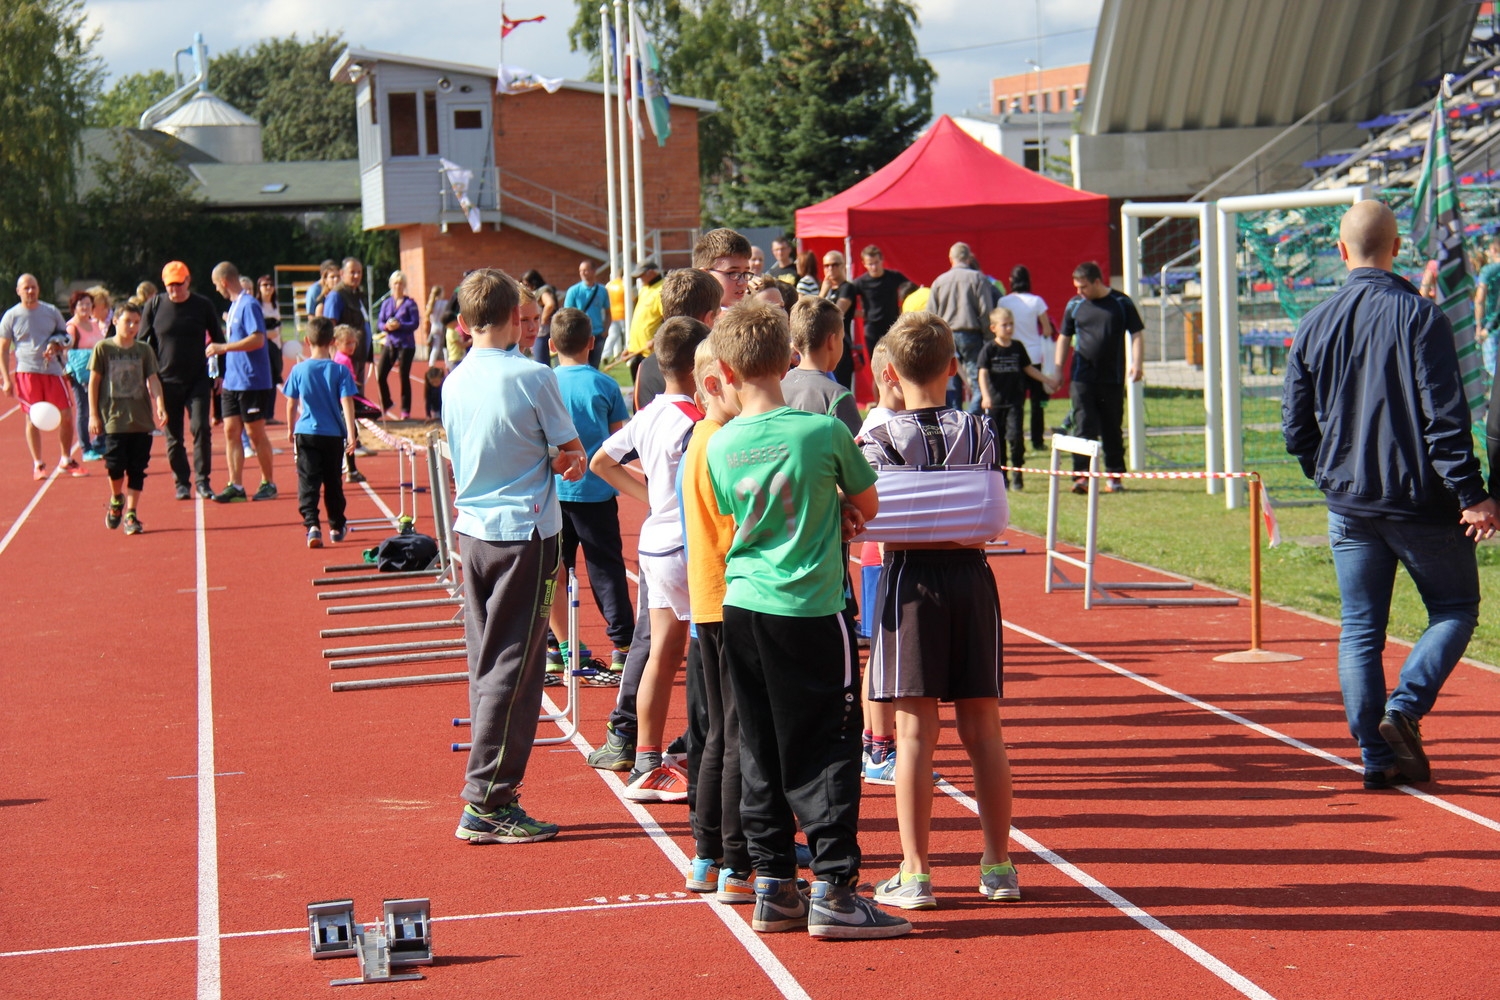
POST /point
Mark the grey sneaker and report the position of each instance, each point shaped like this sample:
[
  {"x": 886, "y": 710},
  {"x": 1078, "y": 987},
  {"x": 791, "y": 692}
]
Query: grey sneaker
[
  {"x": 617, "y": 753},
  {"x": 203, "y": 490},
  {"x": 999, "y": 883},
  {"x": 133, "y": 526},
  {"x": 1405, "y": 737},
  {"x": 910, "y": 892},
  {"x": 779, "y": 906},
  {"x": 838, "y": 912},
  {"x": 506, "y": 825},
  {"x": 267, "y": 491}
]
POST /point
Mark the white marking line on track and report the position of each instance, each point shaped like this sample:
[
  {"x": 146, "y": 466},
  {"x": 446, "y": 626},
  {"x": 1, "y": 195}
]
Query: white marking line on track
[
  {"x": 780, "y": 976},
  {"x": 13, "y": 409},
  {"x": 585, "y": 908},
  {"x": 36, "y": 499},
  {"x": 209, "y": 971},
  {"x": 1267, "y": 731},
  {"x": 1174, "y": 938},
  {"x": 370, "y": 492}
]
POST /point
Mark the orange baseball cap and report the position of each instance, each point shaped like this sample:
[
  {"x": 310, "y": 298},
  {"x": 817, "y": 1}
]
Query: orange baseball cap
[{"x": 175, "y": 273}]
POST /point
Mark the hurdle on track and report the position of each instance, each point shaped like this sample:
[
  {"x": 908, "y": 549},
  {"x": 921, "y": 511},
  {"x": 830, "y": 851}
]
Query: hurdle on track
[{"x": 1096, "y": 591}]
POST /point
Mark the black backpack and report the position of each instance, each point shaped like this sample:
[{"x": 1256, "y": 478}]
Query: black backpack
[{"x": 404, "y": 553}]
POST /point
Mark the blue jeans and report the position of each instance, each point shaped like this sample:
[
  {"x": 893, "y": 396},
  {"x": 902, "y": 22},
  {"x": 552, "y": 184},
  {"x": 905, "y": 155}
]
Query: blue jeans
[
  {"x": 1440, "y": 559},
  {"x": 969, "y": 343}
]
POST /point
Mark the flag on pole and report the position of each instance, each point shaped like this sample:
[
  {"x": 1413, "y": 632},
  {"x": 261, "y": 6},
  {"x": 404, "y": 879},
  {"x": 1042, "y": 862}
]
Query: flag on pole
[
  {"x": 509, "y": 24},
  {"x": 515, "y": 80},
  {"x": 1437, "y": 231},
  {"x": 459, "y": 179},
  {"x": 648, "y": 75}
]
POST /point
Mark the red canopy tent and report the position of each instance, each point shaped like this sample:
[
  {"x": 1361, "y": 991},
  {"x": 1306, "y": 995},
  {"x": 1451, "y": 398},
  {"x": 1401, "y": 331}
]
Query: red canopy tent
[{"x": 948, "y": 187}]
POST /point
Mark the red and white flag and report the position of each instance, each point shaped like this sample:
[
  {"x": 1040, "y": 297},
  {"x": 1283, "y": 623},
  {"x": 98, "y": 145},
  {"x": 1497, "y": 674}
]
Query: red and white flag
[{"x": 509, "y": 24}]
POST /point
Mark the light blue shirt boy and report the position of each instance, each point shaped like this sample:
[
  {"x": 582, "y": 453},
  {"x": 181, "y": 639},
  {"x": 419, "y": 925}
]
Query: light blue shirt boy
[
  {"x": 594, "y": 402},
  {"x": 501, "y": 412}
]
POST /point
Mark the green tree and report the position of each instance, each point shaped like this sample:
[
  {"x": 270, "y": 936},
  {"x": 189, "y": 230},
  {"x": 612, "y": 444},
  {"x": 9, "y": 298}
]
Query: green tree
[
  {"x": 842, "y": 92},
  {"x": 48, "y": 76},
  {"x": 813, "y": 96},
  {"x": 136, "y": 214},
  {"x": 122, "y": 104},
  {"x": 283, "y": 84}
]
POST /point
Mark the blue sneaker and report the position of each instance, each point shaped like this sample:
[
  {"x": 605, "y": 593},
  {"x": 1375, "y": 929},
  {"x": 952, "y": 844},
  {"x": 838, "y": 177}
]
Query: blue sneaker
[
  {"x": 506, "y": 825},
  {"x": 884, "y": 772},
  {"x": 734, "y": 890},
  {"x": 703, "y": 876},
  {"x": 838, "y": 912}
]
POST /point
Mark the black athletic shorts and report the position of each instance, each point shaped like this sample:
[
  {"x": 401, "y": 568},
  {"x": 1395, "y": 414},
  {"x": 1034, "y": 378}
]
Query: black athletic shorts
[
  {"x": 249, "y": 405},
  {"x": 126, "y": 457},
  {"x": 938, "y": 634}
]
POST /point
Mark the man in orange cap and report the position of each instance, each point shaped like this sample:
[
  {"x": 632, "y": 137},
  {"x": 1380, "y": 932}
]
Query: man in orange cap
[{"x": 178, "y": 324}]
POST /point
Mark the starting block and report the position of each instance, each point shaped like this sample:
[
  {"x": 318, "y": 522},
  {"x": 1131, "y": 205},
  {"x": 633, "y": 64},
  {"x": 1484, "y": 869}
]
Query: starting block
[
  {"x": 403, "y": 938},
  {"x": 331, "y": 928}
]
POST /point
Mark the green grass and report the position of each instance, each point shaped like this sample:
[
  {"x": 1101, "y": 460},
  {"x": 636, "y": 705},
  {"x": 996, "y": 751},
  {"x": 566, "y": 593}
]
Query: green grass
[{"x": 1176, "y": 526}]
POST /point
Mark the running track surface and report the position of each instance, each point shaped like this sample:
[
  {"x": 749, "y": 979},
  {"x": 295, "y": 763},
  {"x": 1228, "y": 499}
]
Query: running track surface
[{"x": 1184, "y": 828}]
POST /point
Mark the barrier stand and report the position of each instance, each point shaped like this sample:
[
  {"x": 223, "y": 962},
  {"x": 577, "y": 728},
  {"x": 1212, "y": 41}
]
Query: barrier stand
[
  {"x": 1255, "y": 654},
  {"x": 567, "y": 716},
  {"x": 1096, "y": 591}
]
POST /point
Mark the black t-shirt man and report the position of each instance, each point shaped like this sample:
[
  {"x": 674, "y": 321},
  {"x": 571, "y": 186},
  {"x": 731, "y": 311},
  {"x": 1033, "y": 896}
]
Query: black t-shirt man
[
  {"x": 878, "y": 299},
  {"x": 175, "y": 331},
  {"x": 1099, "y": 329},
  {"x": 787, "y": 273}
]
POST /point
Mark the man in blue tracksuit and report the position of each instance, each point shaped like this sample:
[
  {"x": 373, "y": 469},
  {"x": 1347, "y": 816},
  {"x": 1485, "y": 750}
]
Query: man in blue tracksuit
[{"x": 1374, "y": 410}]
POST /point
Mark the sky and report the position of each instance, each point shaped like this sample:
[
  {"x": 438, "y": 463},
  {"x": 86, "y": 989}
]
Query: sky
[{"x": 968, "y": 42}]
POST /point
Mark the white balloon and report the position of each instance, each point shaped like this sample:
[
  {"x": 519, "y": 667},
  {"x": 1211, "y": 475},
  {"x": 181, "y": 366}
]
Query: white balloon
[
  {"x": 45, "y": 416},
  {"x": 291, "y": 350}
]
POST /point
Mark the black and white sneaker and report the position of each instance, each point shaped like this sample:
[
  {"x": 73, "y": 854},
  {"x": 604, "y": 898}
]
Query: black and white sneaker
[
  {"x": 779, "y": 906},
  {"x": 839, "y": 913}
]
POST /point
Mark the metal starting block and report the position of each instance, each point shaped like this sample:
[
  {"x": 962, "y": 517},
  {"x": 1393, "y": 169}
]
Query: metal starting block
[
  {"x": 331, "y": 928},
  {"x": 403, "y": 938},
  {"x": 408, "y": 930}
]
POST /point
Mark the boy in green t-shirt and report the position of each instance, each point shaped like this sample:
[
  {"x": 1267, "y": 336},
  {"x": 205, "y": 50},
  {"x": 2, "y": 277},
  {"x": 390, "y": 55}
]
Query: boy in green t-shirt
[
  {"x": 125, "y": 404},
  {"x": 778, "y": 472}
]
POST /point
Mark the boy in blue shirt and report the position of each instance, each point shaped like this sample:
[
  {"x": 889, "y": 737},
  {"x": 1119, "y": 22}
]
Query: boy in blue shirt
[
  {"x": 320, "y": 418},
  {"x": 779, "y": 472},
  {"x": 591, "y": 515},
  {"x": 248, "y": 389},
  {"x": 508, "y": 433}
]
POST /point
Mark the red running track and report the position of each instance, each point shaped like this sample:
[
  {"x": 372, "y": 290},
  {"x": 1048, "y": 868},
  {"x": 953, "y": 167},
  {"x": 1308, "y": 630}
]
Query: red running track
[{"x": 1184, "y": 828}]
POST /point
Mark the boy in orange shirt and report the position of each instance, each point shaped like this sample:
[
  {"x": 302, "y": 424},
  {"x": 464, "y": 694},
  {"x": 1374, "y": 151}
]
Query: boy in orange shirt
[{"x": 722, "y": 864}]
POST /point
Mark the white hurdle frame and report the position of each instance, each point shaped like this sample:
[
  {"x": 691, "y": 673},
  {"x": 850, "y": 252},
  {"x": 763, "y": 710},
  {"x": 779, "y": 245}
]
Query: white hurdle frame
[
  {"x": 1130, "y": 218},
  {"x": 1096, "y": 591}
]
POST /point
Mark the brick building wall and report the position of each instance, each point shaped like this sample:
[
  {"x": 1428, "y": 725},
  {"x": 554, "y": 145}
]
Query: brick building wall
[{"x": 556, "y": 141}]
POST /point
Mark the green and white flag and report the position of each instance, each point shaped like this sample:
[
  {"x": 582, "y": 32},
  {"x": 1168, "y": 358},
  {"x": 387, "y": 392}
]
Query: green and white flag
[{"x": 1437, "y": 231}]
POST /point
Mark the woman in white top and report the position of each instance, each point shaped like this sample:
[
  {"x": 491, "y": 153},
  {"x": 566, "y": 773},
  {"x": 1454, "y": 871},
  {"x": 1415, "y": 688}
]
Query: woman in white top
[{"x": 1034, "y": 331}]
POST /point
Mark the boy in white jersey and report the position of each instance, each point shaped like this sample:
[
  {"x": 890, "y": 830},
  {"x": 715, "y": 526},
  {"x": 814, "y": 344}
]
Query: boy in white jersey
[{"x": 659, "y": 434}]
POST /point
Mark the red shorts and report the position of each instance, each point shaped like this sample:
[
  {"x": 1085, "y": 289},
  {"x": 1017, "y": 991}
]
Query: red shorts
[{"x": 37, "y": 387}]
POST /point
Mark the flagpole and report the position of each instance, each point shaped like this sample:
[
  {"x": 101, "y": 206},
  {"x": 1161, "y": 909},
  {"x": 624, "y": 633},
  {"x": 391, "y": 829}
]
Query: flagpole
[
  {"x": 627, "y": 253},
  {"x": 609, "y": 143},
  {"x": 636, "y": 87}
]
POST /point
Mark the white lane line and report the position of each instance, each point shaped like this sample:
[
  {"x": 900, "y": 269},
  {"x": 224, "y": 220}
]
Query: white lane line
[
  {"x": 1267, "y": 731},
  {"x": 36, "y": 499},
  {"x": 13, "y": 409},
  {"x": 585, "y": 908},
  {"x": 780, "y": 976},
  {"x": 370, "y": 492},
  {"x": 1119, "y": 902},
  {"x": 209, "y": 972}
]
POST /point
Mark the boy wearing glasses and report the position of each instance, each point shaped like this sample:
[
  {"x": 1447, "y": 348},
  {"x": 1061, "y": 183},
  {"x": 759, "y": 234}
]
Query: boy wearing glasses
[{"x": 725, "y": 254}]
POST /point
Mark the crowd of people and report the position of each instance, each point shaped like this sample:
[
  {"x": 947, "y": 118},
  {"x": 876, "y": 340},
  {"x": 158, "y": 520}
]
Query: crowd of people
[{"x": 746, "y": 445}]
